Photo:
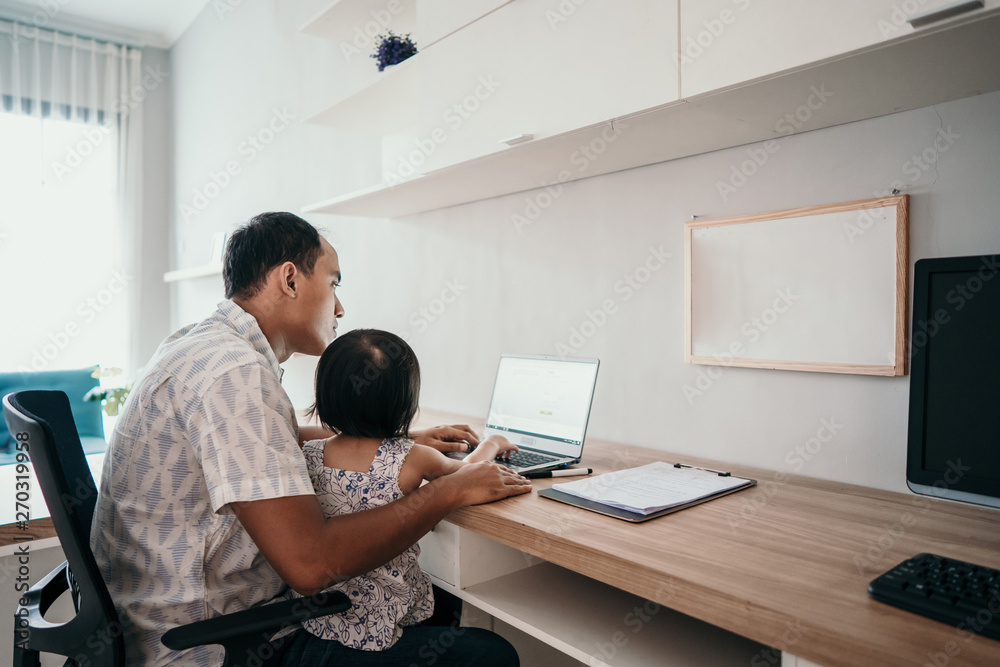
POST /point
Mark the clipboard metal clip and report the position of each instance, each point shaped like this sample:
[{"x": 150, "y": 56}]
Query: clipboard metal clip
[{"x": 720, "y": 473}]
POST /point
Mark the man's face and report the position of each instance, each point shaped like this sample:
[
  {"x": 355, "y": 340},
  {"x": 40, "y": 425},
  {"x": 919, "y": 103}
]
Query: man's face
[{"x": 318, "y": 308}]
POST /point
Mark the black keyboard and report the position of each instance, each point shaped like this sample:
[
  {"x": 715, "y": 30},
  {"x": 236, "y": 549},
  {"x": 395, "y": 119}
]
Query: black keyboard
[
  {"x": 947, "y": 590},
  {"x": 522, "y": 459}
]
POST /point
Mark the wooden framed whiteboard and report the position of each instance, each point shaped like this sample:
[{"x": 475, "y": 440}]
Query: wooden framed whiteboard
[{"x": 822, "y": 288}]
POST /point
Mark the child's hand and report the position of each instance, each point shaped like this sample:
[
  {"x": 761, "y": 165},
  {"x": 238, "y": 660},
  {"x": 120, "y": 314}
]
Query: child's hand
[
  {"x": 492, "y": 447},
  {"x": 503, "y": 446}
]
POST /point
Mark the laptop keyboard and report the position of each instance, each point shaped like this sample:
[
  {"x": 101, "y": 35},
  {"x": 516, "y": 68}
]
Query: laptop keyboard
[{"x": 522, "y": 459}]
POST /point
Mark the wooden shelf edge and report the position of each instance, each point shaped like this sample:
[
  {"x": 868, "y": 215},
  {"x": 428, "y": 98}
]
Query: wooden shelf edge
[{"x": 213, "y": 269}]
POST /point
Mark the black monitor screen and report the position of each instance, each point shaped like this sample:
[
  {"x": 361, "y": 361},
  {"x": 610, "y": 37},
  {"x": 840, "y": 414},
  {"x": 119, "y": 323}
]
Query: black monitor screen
[{"x": 954, "y": 431}]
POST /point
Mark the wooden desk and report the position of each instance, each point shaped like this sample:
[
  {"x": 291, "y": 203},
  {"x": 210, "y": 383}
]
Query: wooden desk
[
  {"x": 40, "y": 526},
  {"x": 785, "y": 564}
]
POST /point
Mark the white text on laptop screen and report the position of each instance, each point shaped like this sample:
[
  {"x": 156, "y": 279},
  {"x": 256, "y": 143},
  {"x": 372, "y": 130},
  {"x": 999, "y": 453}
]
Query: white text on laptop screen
[{"x": 546, "y": 397}]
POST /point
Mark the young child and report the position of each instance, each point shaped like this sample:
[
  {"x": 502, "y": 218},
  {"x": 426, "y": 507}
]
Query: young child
[{"x": 367, "y": 386}]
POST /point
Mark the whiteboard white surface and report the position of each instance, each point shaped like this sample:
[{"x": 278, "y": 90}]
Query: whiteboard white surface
[{"x": 809, "y": 289}]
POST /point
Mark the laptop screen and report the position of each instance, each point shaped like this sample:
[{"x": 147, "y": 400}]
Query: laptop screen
[{"x": 544, "y": 398}]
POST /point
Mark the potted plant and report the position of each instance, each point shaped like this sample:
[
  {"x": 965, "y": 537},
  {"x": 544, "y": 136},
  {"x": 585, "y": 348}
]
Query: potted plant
[
  {"x": 111, "y": 398},
  {"x": 392, "y": 49}
]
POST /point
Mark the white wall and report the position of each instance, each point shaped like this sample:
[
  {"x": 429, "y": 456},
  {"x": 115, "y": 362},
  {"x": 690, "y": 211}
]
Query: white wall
[{"x": 526, "y": 290}]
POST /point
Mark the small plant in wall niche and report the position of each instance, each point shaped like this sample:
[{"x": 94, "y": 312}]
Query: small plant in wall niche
[
  {"x": 392, "y": 49},
  {"x": 110, "y": 398}
]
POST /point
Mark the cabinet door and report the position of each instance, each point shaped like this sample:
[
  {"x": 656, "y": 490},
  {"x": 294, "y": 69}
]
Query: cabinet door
[
  {"x": 727, "y": 42},
  {"x": 439, "y": 18},
  {"x": 542, "y": 68}
]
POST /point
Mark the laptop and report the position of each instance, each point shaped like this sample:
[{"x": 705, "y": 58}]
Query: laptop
[{"x": 542, "y": 405}]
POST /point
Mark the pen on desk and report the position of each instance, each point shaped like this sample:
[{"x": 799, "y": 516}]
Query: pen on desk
[
  {"x": 720, "y": 473},
  {"x": 567, "y": 472}
]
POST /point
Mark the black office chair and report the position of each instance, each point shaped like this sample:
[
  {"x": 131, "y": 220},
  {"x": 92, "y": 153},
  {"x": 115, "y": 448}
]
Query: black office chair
[{"x": 93, "y": 635}]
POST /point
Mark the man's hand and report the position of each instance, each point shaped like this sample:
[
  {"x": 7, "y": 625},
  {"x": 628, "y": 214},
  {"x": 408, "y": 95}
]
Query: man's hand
[
  {"x": 455, "y": 438},
  {"x": 483, "y": 482},
  {"x": 311, "y": 552}
]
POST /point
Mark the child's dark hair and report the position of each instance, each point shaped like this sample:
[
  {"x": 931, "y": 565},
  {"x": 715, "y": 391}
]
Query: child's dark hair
[{"x": 368, "y": 385}]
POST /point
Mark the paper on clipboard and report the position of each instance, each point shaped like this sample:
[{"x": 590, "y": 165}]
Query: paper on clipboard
[{"x": 652, "y": 487}]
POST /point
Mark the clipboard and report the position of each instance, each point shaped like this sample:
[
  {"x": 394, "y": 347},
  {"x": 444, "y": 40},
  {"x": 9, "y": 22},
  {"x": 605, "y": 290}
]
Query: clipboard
[{"x": 638, "y": 517}]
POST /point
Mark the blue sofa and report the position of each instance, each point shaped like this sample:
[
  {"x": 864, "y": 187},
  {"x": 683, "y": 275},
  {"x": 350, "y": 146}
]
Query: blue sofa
[{"x": 76, "y": 383}]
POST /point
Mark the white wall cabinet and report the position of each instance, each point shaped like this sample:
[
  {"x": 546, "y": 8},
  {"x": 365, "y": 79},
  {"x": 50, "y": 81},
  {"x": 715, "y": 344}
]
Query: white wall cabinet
[
  {"x": 729, "y": 42},
  {"x": 437, "y": 19},
  {"x": 648, "y": 80},
  {"x": 540, "y": 68},
  {"x": 356, "y": 23}
]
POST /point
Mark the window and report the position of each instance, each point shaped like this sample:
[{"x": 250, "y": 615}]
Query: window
[{"x": 65, "y": 303}]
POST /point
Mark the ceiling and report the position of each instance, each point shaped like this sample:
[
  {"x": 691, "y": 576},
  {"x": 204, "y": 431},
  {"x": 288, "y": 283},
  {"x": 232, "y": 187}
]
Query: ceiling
[{"x": 155, "y": 23}]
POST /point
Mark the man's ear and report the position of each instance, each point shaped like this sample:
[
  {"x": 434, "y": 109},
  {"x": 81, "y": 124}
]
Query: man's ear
[{"x": 288, "y": 273}]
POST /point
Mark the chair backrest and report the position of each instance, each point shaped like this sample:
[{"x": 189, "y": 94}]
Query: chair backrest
[{"x": 69, "y": 491}]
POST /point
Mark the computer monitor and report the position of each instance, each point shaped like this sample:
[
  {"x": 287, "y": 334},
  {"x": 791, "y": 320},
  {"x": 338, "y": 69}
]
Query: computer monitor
[{"x": 954, "y": 425}]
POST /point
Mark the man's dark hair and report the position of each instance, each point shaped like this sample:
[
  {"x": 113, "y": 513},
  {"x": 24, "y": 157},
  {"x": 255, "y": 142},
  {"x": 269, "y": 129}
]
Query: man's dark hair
[
  {"x": 368, "y": 385},
  {"x": 264, "y": 242}
]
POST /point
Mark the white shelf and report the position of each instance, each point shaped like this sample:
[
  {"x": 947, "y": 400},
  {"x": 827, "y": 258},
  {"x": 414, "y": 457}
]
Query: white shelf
[
  {"x": 341, "y": 20},
  {"x": 214, "y": 269},
  {"x": 601, "y": 625},
  {"x": 384, "y": 106},
  {"x": 927, "y": 67}
]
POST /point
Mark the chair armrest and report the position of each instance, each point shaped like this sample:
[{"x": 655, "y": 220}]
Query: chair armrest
[
  {"x": 45, "y": 592},
  {"x": 254, "y": 622}
]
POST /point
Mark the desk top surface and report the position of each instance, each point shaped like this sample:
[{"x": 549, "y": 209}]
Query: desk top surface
[{"x": 786, "y": 563}]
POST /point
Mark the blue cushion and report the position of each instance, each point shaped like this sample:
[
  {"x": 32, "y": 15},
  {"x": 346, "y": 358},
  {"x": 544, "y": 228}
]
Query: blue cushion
[{"x": 86, "y": 414}]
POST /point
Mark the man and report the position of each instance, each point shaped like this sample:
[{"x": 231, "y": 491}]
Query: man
[{"x": 205, "y": 504}]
